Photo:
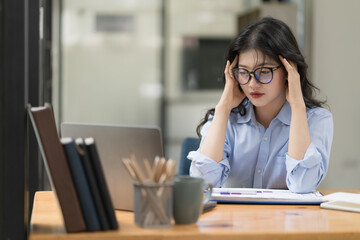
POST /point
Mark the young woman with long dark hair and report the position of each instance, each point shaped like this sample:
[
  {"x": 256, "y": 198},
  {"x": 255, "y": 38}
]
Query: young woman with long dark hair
[{"x": 267, "y": 130}]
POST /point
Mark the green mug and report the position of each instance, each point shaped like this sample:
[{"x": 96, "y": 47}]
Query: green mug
[{"x": 188, "y": 198}]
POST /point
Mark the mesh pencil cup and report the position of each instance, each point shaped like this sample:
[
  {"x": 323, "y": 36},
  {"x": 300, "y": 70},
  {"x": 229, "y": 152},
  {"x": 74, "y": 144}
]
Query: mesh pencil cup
[{"x": 153, "y": 204}]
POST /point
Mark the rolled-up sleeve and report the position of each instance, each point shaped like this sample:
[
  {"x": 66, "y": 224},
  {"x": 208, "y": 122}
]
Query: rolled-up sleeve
[
  {"x": 208, "y": 169},
  {"x": 202, "y": 166},
  {"x": 305, "y": 175}
]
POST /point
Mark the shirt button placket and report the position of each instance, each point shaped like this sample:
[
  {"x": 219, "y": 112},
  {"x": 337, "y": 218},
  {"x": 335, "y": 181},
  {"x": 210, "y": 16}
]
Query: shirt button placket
[{"x": 262, "y": 159}]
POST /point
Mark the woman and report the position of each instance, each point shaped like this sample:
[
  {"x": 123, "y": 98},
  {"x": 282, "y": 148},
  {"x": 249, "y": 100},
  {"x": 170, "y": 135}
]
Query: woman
[{"x": 267, "y": 130}]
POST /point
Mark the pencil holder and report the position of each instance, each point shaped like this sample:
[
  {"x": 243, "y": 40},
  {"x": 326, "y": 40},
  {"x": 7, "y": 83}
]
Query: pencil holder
[{"x": 153, "y": 204}]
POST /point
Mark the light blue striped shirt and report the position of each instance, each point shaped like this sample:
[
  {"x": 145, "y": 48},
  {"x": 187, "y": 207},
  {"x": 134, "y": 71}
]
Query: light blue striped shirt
[{"x": 255, "y": 157}]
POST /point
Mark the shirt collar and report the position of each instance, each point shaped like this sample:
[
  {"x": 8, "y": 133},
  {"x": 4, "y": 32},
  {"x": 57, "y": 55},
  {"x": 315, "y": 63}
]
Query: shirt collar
[
  {"x": 284, "y": 115},
  {"x": 249, "y": 115}
]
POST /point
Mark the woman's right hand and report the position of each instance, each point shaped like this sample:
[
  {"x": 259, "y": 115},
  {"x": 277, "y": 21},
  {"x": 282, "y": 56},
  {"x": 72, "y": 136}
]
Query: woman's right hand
[
  {"x": 213, "y": 144},
  {"x": 231, "y": 96}
]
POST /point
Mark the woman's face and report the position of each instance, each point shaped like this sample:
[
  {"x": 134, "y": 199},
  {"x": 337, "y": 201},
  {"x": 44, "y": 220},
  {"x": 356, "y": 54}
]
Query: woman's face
[{"x": 271, "y": 95}]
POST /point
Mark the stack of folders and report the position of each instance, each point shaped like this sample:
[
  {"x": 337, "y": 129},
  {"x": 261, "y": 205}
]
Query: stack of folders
[{"x": 76, "y": 175}]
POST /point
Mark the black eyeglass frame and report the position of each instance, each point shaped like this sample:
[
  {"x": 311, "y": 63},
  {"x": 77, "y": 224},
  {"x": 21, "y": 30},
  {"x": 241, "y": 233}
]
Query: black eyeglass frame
[{"x": 256, "y": 76}]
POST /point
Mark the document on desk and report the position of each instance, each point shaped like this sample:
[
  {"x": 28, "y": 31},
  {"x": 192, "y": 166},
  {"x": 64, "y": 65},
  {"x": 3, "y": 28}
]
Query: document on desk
[{"x": 264, "y": 196}]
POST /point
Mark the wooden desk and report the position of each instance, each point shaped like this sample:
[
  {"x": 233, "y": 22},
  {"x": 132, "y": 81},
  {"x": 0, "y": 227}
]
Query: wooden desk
[{"x": 226, "y": 221}]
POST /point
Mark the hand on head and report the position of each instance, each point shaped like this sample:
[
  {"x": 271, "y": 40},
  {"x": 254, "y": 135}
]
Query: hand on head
[
  {"x": 293, "y": 89},
  {"x": 231, "y": 96}
]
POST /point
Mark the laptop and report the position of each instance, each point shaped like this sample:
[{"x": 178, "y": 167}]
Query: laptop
[{"x": 115, "y": 142}]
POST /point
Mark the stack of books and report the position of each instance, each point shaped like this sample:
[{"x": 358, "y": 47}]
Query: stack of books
[{"x": 76, "y": 175}]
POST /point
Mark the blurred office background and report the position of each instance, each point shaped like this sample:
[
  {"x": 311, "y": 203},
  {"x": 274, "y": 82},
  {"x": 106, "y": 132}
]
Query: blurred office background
[{"x": 155, "y": 62}]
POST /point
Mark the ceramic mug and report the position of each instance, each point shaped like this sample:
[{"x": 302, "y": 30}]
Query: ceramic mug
[{"x": 188, "y": 198}]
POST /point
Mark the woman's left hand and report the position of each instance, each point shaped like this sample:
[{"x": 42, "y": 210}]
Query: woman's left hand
[{"x": 293, "y": 90}]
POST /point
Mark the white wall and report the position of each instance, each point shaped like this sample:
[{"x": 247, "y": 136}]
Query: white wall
[
  {"x": 111, "y": 77},
  {"x": 335, "y": 70}
]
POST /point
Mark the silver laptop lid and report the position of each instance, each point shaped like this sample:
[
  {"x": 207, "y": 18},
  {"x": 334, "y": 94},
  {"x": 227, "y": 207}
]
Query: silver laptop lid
[{"x": 115, "y": 142}]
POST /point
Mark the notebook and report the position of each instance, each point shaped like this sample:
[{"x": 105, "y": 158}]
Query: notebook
[
  {"x": 264, "y": 196},
  {"x": 342, "y": 201},
  {"x": 115, "y": 142}
]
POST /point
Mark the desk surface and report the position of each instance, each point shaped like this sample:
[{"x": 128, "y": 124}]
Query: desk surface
[{"x": 226, "y": 221}]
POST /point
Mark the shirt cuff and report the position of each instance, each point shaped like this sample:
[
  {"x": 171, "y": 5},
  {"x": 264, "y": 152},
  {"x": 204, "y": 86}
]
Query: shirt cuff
[
  {"x": 311, "y": 158},
  {"x": 205, "y": 167}
]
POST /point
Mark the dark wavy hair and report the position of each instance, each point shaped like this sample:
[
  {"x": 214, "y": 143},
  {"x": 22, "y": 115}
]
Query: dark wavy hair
[{"x": 272, "y": 38}]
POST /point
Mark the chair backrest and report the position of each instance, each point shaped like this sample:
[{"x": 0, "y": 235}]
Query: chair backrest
[{"x": 188, "y": 144}]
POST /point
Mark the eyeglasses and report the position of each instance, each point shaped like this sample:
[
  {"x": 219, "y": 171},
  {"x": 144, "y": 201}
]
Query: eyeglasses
[{"x": 263, "y": 75}]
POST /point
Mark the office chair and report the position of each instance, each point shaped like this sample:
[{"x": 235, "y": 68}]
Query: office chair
[{"x": 188, "y": 144}]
